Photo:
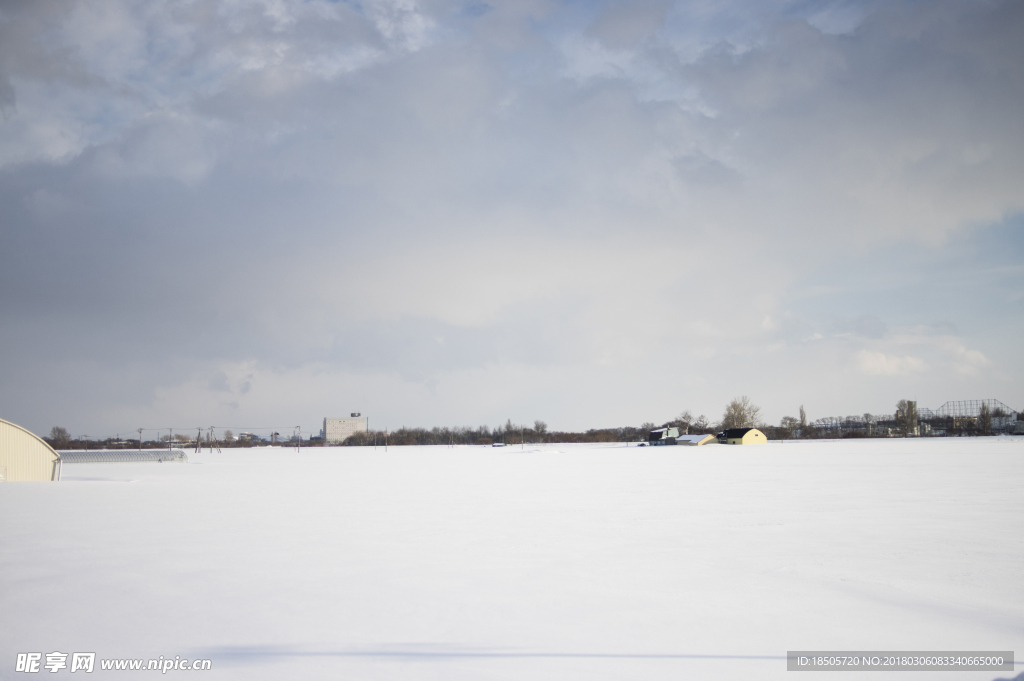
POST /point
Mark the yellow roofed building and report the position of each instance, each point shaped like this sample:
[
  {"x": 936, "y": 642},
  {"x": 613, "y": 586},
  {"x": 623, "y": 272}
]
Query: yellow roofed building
[{"x": 742, "y": 436}]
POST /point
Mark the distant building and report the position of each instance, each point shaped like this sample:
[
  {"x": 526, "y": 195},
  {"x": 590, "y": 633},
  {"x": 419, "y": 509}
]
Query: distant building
[
  {"x": 696, "y": 440},
  {"x": 671, "y": 436},
  {"x": 339, "y": 429},
  {"x": 742, "y": 436},
  {"x": 24, "y": 455},
  {"x": 663, "y": 436}
]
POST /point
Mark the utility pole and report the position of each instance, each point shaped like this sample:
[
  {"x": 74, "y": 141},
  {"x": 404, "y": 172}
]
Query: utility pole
[{"x": 140, "y": 439}]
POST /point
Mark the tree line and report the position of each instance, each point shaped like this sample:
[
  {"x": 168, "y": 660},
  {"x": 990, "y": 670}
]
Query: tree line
[
  {"x": 509, "y": 434},
  {"x": 741, "y": 412}
]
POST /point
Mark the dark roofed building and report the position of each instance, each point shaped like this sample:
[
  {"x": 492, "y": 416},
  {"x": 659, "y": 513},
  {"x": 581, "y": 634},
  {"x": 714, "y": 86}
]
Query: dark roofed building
[{"x": 742, "y": 436}]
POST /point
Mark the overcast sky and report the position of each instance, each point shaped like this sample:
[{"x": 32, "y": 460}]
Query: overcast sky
[{"x": 255, "y": 214}]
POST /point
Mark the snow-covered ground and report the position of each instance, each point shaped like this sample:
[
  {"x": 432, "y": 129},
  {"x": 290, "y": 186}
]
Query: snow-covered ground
[{"x": 557, "y": 562}]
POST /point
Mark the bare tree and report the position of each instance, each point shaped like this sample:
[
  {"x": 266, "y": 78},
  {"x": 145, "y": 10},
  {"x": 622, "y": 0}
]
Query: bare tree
[
  {"x": 684, "y": 421},
  {"x": 60, "y": 436},
  {"x": 741, "y": 413},
  {"x": 906, "y": 417},
  {"x": 788, "y": 426},
  {"x": 803, "y": 417},
  {"x": 985, "y": 420},
  {"x": 540, "y": 427}
]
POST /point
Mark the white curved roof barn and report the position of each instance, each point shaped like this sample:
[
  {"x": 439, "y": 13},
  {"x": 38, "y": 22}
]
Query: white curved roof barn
[{"x": 24, "y": 455}]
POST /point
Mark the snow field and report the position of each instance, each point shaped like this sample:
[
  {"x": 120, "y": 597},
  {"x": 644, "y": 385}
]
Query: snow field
[{"x": 557, "y": 562}]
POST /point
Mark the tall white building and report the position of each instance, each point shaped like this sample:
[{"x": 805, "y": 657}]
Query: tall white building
[{"x": 337, "y": 429}]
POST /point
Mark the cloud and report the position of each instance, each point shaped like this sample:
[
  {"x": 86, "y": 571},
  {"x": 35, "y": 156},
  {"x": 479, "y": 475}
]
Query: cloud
[
  {"x": 623, "y": 25},
  {"x": 880, "y": 364},
  {"x": 279, "y": 192},
  {"x": 965, "y": 361}
]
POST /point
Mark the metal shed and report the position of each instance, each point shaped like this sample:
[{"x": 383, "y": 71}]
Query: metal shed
[{"x": 25, "y": 456}]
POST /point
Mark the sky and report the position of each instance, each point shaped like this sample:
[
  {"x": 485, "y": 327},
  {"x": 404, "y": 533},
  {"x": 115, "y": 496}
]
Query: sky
[{"x": 255, "y": 214}]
